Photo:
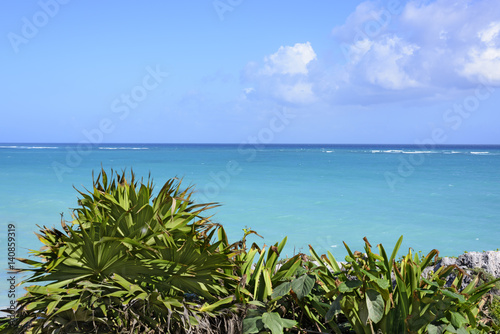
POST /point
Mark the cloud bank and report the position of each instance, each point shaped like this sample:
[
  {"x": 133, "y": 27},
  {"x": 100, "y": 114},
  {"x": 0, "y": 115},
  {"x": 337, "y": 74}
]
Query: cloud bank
[{"x": 391, "y": 52}]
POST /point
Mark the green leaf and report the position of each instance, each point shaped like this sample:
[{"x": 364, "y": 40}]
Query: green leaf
[
  {"x": 281, "y": 290},
  {"x": 257, "y": 303},
  {"x": 349, "y": 286},
  {"x": 395, "y": 250},
  {"x": 72, "y": 304},
  {"x": 273, "y": 321},
  {"x": 53, "y": 304},
  {"x": 252, "y": 325},
  {"x": 333, "y": 262},
  {"x": 383, "y": 283},
  {"x": 453, "y": 295},
  {"x": 268, "y": 285},
  {"x": 35, "y": 305},
  {"x": 211, "y": 307},
  {"x": 457, "y": 319},
  {"x": 303, "y": 285},
  {"x": 433, "y": 329},
  {"x": 375, "y": 305},
  {"x": 334, "y": 309},
  {"x": 288, "y": 323}
]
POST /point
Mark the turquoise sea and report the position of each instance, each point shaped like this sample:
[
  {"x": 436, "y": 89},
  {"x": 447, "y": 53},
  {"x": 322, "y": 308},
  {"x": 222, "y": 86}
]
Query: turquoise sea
[{"x": 445, "y": 197}]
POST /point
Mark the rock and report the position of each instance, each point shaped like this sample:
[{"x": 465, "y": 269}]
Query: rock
[
  {"x": 446, "y": 261},
  {"x": 489, "y": 261}
]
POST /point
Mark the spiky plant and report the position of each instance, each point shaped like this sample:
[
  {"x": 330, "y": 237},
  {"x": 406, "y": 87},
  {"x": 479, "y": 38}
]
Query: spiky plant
[{"x": 127, "y": 263}]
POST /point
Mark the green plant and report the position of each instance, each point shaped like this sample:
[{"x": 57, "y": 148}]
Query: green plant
[
  {"x": 278, "y": 294},
  {"x": 495, "y": 310},
  {"x": 128, "y": 262},
  {"x": 255, "y": 289},
  {"x": 365, "y": 292}
]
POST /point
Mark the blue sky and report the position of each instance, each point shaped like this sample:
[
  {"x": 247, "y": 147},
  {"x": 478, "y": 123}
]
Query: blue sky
[{"x": 238, "y": 71}]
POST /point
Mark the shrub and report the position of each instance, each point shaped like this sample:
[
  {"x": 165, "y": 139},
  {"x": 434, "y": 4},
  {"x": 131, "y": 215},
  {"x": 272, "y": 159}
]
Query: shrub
[
  {"x": 127, "y": 263},
  {"x": 376, "y": 293}
]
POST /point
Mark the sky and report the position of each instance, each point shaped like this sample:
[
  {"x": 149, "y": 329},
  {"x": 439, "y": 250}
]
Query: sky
[{"x": 241, "y": 71}]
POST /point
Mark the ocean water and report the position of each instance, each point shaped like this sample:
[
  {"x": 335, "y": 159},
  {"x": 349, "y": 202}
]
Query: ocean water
[{"x": 445, "y": 197}]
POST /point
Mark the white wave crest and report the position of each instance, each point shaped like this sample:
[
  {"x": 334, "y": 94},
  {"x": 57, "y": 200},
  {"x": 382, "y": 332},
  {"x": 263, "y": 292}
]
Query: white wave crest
[
  {"x": 123, "y": 148},
  {"x": 417, "y": 152},
  {"x": 30, "y": 147}
]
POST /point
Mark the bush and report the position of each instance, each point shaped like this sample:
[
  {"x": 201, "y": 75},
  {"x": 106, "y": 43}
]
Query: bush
[
  {"x": 126, "y": 263},
  {"x": 129, "y": 262},
  {"x": 378, "y": 294}
]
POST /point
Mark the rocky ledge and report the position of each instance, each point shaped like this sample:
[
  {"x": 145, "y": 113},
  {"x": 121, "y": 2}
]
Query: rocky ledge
[
  {"x": 472, "y": 263},
  {"x": 488, "y": 261}
]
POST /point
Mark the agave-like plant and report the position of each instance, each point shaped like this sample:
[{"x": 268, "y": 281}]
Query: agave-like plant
[
  {"x": 378, "y": 294},
  {"x": 127, "y": 263}
]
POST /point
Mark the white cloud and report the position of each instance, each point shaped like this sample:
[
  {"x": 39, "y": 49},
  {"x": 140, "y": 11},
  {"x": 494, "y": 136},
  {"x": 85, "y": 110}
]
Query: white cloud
[
  {"x": 426, "y": 49},
  {"x": 489, "y": 35},
  {"x": 289, "y": 60},
  {"x": 483, "y": 61},
  {"x": 383, "y": 63},
  {"x": 284, "y": 75},
  {"x": 430, "y": 48}
]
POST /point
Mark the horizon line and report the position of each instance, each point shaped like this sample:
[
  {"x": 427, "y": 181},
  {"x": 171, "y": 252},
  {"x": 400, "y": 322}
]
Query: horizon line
[{"x": 245, "y": 144}]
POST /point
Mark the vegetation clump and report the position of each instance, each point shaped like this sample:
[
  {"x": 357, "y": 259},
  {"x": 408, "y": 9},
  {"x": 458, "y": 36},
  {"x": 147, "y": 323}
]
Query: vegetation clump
[
  {"x": 131, "y": 262},
  {"x": 127, "y": 263}
]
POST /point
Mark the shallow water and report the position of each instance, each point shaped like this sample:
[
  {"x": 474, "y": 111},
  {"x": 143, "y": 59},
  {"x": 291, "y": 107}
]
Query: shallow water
[{"x": 446, "y": 198}]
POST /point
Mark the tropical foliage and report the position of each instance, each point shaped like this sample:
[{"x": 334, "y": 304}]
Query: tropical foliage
[
  {"x": 126, "y": 262},
  {"x": 379, "y": 295},
  {"x": 132, "y": 262}
]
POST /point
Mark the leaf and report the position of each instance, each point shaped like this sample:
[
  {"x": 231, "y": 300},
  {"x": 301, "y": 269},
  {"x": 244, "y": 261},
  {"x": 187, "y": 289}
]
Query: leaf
[
  {"x": 303, "y": 285},
  {"x": 349, "y": 286},
  {"x": 383, "y": 283},
  {"x": 72, "y": 304},
  {"x": 395, "y": 250},
  {"x": 288, "y": 323},
  {"x": 35, "y": 305},
  {"x": 257, "y": 303},
  {"x": 281, "y": 290},
  {"x": 252, "y": 325},
  {"x": 268, "y": 285},
  {"x": 333, "y": 262},
  {"x": 273, "y": 321},
  {"x": 433, "y": 329},
  {"x": 53, "y": 304},
  {"x": 211, "y": 307},
  {"x": 457, "y": 319},
  {"x": 375, "y": 305},
  {"x": 25, "y": 320},
  {"x": 334, "y": 309},
  {"x": 458, "y": 297},
  {"x": 363, "y": 313}
]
